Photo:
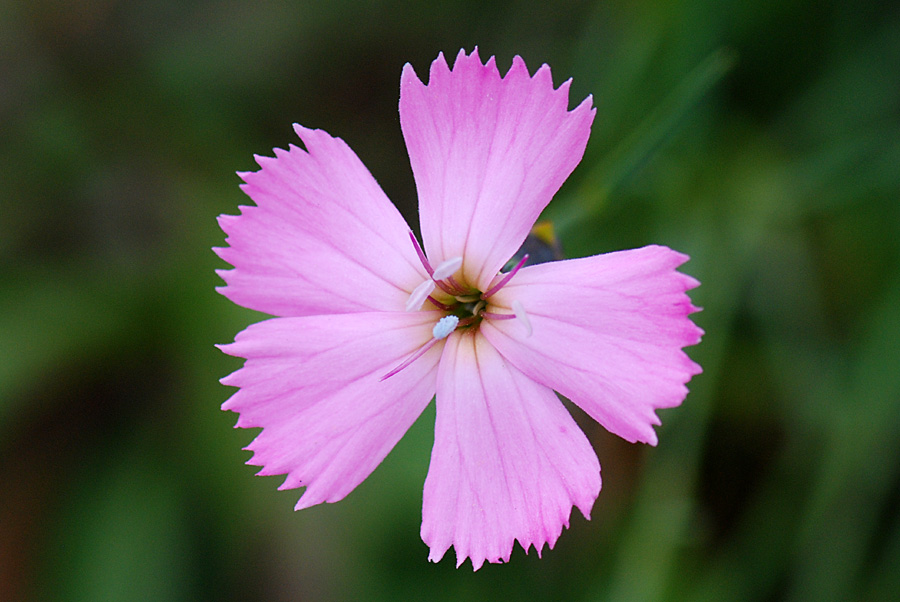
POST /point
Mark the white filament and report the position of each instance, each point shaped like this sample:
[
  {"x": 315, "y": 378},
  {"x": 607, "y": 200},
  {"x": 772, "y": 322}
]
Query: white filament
[{"x": 444, "y": 327}]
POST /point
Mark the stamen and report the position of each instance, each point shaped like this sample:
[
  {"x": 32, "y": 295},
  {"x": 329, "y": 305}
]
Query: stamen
[
  {"x": 447, "y": 268},
  {"x": 455, "y": 284},
  {"x": 505, "y": 278},
  {"x": 518, "y": 314},
  {"x": 519, "y": 311},
  {"x": 421, "y": 254},
  {"x": 438, "y": 304},
  {"x": 468, "y": 298},
  {"x": 419, "y": 353},
  {"x": 493, "y": 316},
  {"x": 442, "y": 284},
  {"x": 438, "y": 280},
  {"x": 418, "y": 296},
  {"x": 444, "y": 327}
]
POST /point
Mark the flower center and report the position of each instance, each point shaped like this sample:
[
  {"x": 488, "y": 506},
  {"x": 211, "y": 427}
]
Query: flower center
[
  {"x": 443, "y": 291},
  {"x": 463, "y": 305}
]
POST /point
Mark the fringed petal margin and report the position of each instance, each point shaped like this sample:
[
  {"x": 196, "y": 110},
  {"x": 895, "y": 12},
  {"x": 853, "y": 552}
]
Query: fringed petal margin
[
  {"x": 508, "y": 462},
  {"x": 314, "y": 386},
  {"x": 488, "y": 154},
  {"x": 323, "y": 238},
  {"x": 608, "y": 333}
]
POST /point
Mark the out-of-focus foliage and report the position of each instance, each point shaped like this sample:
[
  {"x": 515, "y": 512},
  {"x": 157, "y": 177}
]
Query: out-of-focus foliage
[{"x": 762, "y": 138}]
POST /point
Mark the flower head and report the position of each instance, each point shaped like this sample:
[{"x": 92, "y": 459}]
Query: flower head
[{"x": 371, "y": 326}]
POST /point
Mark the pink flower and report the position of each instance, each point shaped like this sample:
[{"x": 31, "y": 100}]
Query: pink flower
[{"x": 369, "y": 330}]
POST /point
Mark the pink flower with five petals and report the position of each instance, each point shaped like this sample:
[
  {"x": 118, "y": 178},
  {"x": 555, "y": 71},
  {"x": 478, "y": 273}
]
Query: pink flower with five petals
[{"x": 370, "y": 327}]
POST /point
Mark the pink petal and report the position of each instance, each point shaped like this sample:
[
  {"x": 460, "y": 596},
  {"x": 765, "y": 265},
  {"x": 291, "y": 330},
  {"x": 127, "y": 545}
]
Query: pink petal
[
  {"x": 313, "y": 385},
  {"x": 607, "y": 333},
  {"x": 488, "y": 154},
  {"x": 508, "y": 461},
  {"x": 323, "y": 237}
]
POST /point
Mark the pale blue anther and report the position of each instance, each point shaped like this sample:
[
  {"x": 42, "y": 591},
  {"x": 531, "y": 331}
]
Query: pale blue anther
[
  {"x": 444, "y": 327},
  {"x": 447, "y": 268}
]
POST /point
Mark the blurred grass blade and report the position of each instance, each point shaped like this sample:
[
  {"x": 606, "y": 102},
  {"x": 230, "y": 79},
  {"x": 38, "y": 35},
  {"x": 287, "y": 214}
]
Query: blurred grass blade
[{"x": 635, "y": 150}]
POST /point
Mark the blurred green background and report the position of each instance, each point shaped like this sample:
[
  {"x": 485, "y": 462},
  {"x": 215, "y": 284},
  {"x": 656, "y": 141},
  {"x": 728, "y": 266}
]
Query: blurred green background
[{"x": 762, "y": 138}]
